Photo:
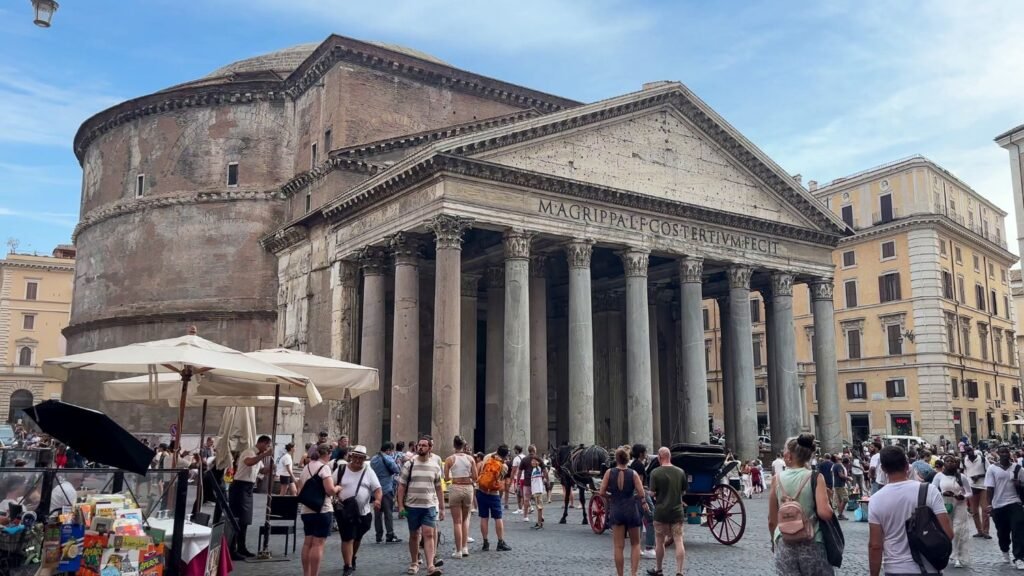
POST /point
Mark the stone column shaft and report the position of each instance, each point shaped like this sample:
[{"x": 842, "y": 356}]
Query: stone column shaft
[
  {"x": 539, "y": 352},
  {"x": 772, "y": 348},
  {"x": 516, "y": 409},
  {"x": 447, "y": 357},
  {"x": 694, "y": 400},
  {"x": 741, "y": 346},
  {"x": 495, "y": 358},
  {"x": 728, "y": 383},
  {"x": 405, "y": 350},
  {"x": 652, "y": 316},
  {"x": 826, "y": 367},
  {"x": 787, "y": 421},
  {"x": 638, "y": 350},
  {"x": 371, "y": 404},
  {"x": 467, "y": 413},
  {"x": 581, "y": 344},
  {"x": 344, "y": 321}
]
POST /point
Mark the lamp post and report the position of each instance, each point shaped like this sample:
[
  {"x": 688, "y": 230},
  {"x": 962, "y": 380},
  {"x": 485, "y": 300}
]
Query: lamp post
[{"x": 44, "y": 10}]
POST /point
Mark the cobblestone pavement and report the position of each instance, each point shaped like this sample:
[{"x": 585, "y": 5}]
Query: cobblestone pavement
[{"x": 573, "y": 549}]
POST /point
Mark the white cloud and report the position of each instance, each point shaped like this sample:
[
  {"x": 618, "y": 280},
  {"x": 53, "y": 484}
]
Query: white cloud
[{"x": 52, "y": 218}]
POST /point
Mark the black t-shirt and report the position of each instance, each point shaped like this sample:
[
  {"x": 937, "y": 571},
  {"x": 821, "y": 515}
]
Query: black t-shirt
[
  {"x": 641, "y": 469},
  {"x": 825, "y": 468}
]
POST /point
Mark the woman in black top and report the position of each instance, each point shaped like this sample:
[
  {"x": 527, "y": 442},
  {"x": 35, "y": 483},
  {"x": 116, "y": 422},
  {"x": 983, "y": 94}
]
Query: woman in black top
[{"x": 640, "y": 466}]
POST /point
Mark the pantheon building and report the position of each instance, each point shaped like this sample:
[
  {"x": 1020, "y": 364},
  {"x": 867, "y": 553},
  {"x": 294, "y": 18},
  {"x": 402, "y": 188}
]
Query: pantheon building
[{"x": 520, "y": 267}]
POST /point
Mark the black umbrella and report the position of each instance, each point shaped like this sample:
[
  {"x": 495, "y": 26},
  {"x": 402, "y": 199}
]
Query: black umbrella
[{"x": 93, "y": 434}]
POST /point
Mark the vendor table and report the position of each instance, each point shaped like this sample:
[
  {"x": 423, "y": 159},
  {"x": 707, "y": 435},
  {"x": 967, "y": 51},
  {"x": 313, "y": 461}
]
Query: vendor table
[{"x": 195, "y": 547}]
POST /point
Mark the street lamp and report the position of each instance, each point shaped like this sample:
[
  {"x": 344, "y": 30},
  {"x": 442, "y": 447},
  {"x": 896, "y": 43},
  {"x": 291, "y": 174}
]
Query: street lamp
[{"x": 44, "y": 12}]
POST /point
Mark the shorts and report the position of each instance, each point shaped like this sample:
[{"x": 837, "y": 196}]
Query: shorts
[
  {"x": 421, "y": 517},
  {"x": 538, "y": 500},
  {"x": 489, "y": 505},
  {"x": 285, "y": 480},
  {"x": 460, "y": 496},
  {"x": 673, "y": 530},
  {"x": 317, "y": 525},
  {"x": 353, "y": 529}
]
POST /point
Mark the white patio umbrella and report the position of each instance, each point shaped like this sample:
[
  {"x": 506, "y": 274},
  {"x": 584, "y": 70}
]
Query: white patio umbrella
[
  {"x": 186, "y": 356},
  {"x": 237, "y": 432},
  {"x": 1015, "y": 422}
]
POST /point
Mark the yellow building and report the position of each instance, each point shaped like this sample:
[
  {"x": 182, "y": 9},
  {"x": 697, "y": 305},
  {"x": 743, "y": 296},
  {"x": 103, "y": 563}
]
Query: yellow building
[
  {"x": 35, "y": 304},
  {"x": 924, "y": 322}
]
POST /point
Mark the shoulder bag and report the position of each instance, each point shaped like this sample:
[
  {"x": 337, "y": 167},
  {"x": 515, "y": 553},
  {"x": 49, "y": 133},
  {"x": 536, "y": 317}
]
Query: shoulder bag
[
  {"x": 312, "y": 495},
  {"x": 347, "y": 510},
  {"x": 831, "y": 531}
]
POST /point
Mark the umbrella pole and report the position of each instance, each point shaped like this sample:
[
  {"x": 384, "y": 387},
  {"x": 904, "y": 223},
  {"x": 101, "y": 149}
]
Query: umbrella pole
[
  {"x": 265, "y": 550},
  {"x": 202, "y": 461},
  {"x": 186, "y": 376}
]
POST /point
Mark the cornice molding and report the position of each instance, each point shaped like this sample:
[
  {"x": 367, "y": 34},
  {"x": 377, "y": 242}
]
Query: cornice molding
[
  {"x": 167, "y": 317},
  {"x": 129, "y": 206},
  {"x": 941, "y": 220},
  {"x": 303, "y": 180},
  {"x": 37, "y": 266},
  {"x": 285, "y": 238}
]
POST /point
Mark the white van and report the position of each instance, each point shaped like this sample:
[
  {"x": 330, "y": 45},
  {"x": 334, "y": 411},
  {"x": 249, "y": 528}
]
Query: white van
[{"x": 905, "y": 441}]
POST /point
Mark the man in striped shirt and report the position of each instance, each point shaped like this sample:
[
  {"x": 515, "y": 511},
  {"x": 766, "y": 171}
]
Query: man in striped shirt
[{"x": 419, "y": 497}]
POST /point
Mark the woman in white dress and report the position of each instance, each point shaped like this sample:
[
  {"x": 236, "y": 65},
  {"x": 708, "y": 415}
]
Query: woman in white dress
[{"x": 956, "y": 493}]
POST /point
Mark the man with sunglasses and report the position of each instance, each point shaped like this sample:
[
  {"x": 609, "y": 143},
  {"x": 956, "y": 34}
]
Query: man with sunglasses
[{"x": 419, "y": 497}]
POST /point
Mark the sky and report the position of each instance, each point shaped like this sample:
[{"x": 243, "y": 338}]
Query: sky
[{"x": 825, "y": 88}]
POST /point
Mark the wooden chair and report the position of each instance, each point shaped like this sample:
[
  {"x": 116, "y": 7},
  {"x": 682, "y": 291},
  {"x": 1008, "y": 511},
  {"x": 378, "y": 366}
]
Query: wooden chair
[{"x": 284, "y": 519}]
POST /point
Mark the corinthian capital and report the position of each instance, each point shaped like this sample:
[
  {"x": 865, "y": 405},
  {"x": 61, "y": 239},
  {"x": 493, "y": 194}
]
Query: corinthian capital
[
  {"x": 634, "y": 261},
  {"x": 578, "y": 252},
  {"x": 691, "y": 269},
  {"x": 517, "y": 244},
  {"x": 371, "y": 260},
  {"x": 739, "y": 277},
  {"x": 448, "y": 230},
  {"x": 405, "y": 248},
  {"x": 782, "y": 284},
  {"x": 821, "y": 289}
]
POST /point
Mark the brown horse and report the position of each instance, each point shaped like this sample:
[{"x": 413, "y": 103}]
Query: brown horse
[{"x": 577, "y": 467}]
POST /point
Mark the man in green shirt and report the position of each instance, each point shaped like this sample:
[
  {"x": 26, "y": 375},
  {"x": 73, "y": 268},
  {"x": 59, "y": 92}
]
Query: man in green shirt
[{"x": 668, "y": 483}]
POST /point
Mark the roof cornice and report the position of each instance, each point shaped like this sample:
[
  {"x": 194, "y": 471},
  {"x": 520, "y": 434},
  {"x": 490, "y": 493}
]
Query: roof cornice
[
  {"x": 163, "y": 317},
  {"x": 929, "y": 220},
  {"x": 334, "y": 49},
  {"x": 304, "y": 179},
  {"x": 48, "y": 267}
]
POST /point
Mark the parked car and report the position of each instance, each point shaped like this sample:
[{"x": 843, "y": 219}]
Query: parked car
[
  {"x": 905, "y": 441},
  {"x": 7, "y": 436}
]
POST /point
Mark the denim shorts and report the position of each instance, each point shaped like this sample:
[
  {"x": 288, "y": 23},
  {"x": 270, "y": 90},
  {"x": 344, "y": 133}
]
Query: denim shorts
[
  {"x": 419, "y": 517},
  {"x": 489, "y": 504}
]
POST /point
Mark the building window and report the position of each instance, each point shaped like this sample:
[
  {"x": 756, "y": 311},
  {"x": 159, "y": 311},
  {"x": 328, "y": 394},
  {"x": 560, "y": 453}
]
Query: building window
[
  {"x": 965, "y": 338},
  {"x": 21, "y": 400},
  {"x": 895, "y": 337},
  {"x": 942, "y": 248},
  {"x": 951, "y": 333},
  {"x": 988, "y": 390},
  {"x": 1002, "y": 274},
  {"x": 849, "y": 258},
  {"x": 28, "y": 322},
  {"x": 1011, "y": 349},
  {"x": 32, "y": 290},
  {"x": 327, "y": 140},
  {"x": 761, "y": 394},
  {"x": 140, "y": 185},
  {"x": 233, "y": 174},
  {"x": 956, "y": 388},
  {"x": 755, "y": 311},
  {"x": 1006, "y": 306},
  {"x": 995, "y": 301},
  {"x": 895, "y": 389},
  {"x": 979, "y": 297},
  {"x": 977, "y": 263},
  {"x": 707, "y": 355},
  {"x": 757, "y": 353},
  {"x": 972, "y": 389},
  {"x": 991, "y": 271},
  {"x": 997, "y": 345},
  {"x": 957, "y": 255},
  {"x": 963, "y": 291},
  {"x": 888, "y": 250},
  {"x": 856, "y": 391},
  {"x": 983, "y": 339},
  {"x": 889, "y": 287},
  {"x": 850, "y": 287},
  {"x": 312, "y": 156},
  {"x": 847, "y": 213},
  {"x": 25, "y": 356},
  {"x": 853, "y": 344},
  {"x": 1015, "y": 394},
  {"x": 707, "y": 322},
  {"x": 885, "y": 208},
  {"x": 947, "y": 285},
  {"x": 309, "y": 202}
]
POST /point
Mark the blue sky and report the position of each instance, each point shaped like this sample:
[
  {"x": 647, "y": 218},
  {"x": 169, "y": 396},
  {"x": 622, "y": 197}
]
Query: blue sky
[{"x": 826, "y": 88}]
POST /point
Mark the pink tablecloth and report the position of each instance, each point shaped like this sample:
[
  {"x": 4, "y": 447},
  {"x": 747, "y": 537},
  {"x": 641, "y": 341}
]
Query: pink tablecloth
[{"x": 197, "y": 566}]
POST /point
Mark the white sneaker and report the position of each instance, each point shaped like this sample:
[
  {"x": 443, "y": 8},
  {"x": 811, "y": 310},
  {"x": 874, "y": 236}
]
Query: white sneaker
[
  {"x": 957, "y": 563},
  {"x": 526, "y": 518},
  {"x": 465, "y": 551},
  {"x": 470, "y": 540},
  {"x": 648, "y": 554},
  {"x": 1018, "y": 564},
  {"x": 517, "y": 511},
  {"x": 457, "y": 554}
]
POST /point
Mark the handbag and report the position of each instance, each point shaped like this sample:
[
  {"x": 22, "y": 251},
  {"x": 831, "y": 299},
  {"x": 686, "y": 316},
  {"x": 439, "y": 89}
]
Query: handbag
[
  {"x": 831, "y": 532},
  {"x": 348, "y": 509},
  {"x": 312, "y": 495}
]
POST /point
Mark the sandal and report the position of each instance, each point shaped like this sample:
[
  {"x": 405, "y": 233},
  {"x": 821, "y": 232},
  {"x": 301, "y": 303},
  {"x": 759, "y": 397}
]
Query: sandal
[
  {"x": 413, "y": 569},
  {"x": 653, "y": 572},
  {"x": 436, "y": 572}
]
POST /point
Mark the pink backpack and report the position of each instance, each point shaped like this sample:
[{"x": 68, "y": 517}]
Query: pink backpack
[{"x": 793, "y": 524}]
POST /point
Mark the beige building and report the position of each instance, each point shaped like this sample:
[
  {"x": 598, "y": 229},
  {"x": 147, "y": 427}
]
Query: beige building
[
  {"x": 35, "y": 304},
  {"x": 925, "y": 332}
]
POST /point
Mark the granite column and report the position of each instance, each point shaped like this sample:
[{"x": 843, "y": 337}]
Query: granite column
[
  {"x": 494, "y": 359},
  {"x": 405, "y": 350},
  {"x": 639, "y": 412},
  {"x": 371, "y": 404},
  {"x": 581, "y": 343},
  {"x": 826, "y": 368},
  {"x": 694, "y": 398},
  {"x": 539, "y": 352},
  {"x": 741, "y": 347},
  {"x": 467, "y": 374},
  {"x": 652, "y": 315},
  {"x": 786, "y": 420},
  {"x": 729, "y": 415},
  {"x": 516, "y": 388}
]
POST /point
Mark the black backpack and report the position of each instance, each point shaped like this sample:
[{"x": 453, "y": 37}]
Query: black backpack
[
  {"x": 928, "y": 541},
  {"x": 1016, "y": 482}
]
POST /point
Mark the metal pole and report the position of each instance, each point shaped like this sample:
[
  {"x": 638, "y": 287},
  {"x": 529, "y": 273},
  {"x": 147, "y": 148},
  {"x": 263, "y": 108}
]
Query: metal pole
[
  {"x": 202, "y": 461},
  {"x": 265, "y": 541},
  {"x": 186, "y": 376},
  {"x": 178, "y": 537}
]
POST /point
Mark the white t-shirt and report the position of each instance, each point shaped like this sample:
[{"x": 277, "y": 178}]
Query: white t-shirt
[
  {"x": 517, "y": 461},
  {"x": 63, "y": 494},
  {"x": 284, "y": 465},
  {"x": 367, "y": 487},
  {"x": 1001, "y": 481},
  {"x": 949, "y": 484},
  {"x": 976, "y": 468},
  {"x": 876, "y": 464},
  {"x": 778, "y": 466},
  {"x": 243, "y": 471},
  {"x": 322, "y": 471},
  {"x": 890, "y": 508}
]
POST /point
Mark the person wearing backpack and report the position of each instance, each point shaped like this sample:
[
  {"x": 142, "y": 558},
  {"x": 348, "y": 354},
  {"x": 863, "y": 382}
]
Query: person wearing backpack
[
  {"x": 316, "y": 522},
  {"x": 955, "y": 488},
  {"x": 1003, "y": 485},
  {"x": 903, "y": 514},
  {"x": 793, "y": 513},
  {"x": 490, "y": 485}
]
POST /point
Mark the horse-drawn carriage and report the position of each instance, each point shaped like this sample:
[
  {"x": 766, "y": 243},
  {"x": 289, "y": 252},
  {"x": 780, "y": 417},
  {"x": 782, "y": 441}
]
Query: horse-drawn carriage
[{"x": 718, "y": 505}]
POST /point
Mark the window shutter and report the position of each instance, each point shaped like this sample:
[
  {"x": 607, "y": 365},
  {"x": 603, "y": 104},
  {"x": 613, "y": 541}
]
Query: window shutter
[
  {"x": 890, "y": 388},
  {"x": 896, "y": 286},
  {"x": 854, "y": 338},
  {"x": 881, "y": 289},
  {"x": 851, "y": 294},
  {"x": 849, "y": 391}
]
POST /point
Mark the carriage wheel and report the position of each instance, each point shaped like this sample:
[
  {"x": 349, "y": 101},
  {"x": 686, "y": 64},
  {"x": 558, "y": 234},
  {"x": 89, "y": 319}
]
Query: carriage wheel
[
  {"x": 726, "y": 514},
  {"x": 597, "y": 514}
]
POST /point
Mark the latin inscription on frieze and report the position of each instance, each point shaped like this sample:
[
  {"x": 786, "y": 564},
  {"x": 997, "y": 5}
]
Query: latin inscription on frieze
[{"x": 659, "y": 226}]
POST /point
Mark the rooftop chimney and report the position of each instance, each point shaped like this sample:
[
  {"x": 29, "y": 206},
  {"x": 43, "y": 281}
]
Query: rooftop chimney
[
  {"x": 656, "y": 84},
  {"x": 799, "y": 178},
  {"x": 812, "y": 185}
]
